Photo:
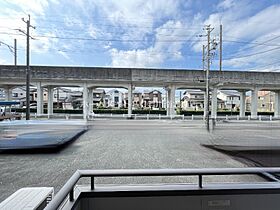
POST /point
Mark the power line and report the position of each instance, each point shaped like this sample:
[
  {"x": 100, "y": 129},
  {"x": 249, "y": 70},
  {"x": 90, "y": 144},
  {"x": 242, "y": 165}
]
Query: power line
[
  {"x": 262, "y": 42},
  {"x": 109, "y": 40},
  {"x": 263, "y": 66},
  {"x": 253, "y": 54},
  {"x": 248, "y": 42}
]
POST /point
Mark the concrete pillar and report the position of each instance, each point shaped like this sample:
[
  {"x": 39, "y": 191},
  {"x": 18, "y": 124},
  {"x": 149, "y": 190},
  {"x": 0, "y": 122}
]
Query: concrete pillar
[
  {"x": 172, "y": 100},
  {"x": 40, "y": 99},
  {"x": 277, "y": 104},
  {"x": 50, "y": 101},
  {"x": 120, "y": 100},
  {"x": 214, "y": 103},
  {"x": 140, "y": 100},
  {"x": 168, "y": 94},
  {"x": 85, "y": 102},
  {"x": 242, "y": 107},
  {"x": 129, "y": 97},
  {"x": 254, "y": 103},
  {"x": 90, "y": 99},
  {"x": 8, "y": 93}
]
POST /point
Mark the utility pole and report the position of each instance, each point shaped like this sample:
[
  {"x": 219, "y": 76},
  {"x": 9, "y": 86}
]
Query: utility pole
[
  {"x": 208, "y": 29},
  {"x": 203, "y": 58},
  {"x": 15, "y": 51},
  {"x": 27, "y": 67},
  {"x": 221, "y": 45}
]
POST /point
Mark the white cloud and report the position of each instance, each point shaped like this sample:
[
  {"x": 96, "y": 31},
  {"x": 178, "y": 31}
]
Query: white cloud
[
  {"x": 240, "y": 25},
  {"x": 13, "y": 21},
  {"x": 163, "y": 48},
  {"x": 135, "y": 58},
  {"x": 31, "y": 6},
  {"x": 226, "y": 4}
]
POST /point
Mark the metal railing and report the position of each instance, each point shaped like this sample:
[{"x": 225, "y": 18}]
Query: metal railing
[{"x": 68, "y": 188}]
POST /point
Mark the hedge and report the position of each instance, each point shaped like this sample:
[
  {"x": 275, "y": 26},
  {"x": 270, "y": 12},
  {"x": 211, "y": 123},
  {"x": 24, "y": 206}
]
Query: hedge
[{"x": 138, "y": 111}]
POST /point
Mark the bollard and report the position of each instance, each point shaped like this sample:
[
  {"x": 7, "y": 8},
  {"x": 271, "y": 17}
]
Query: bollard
[
  {"x": 226, "y": 117},
  {"x": 171, "y": 117},
  {"x": 260, "y": 118},
  {"x": 237, "y": 117},
  {"x": 135, "y": 117},
  {"x": 249, "y": 117},
  {"x": 270, "y": 117},
  {"x": 148, "y": 117},
  {"x": 35, "y": 115},
  {"x": 111, "y": 114},
  {"x": 183, "y": 117},
  {"x": 192, "y": 116},
  {"x": 66, "y": 117},
  {"x": 159, "y": 116}
]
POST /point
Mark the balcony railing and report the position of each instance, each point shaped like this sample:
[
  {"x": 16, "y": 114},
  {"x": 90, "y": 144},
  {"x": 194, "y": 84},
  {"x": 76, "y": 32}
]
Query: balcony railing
[{"x": 68, "y": 188}]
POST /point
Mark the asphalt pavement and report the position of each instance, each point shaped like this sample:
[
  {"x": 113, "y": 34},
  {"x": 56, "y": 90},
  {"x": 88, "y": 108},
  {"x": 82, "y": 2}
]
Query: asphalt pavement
[{"x": 132, "y": 144}]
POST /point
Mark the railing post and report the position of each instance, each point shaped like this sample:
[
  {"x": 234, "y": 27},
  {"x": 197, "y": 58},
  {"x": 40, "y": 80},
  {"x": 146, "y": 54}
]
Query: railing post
[
  {"x": 92, "y": 182},
  {"x": 71, "y": 195},
  {"x": 200, "y": 181}
]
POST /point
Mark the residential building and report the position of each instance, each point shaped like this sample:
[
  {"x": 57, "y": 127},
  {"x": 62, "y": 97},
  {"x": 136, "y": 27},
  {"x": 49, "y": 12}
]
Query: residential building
[
  {"x": 230, "y": 98},
  {"x": 147, "y": 100},
  {"x": 266, "y": 101},
  {"x": 193, "y": 100},
  {"x": 98, "y": 98},
  {"x": 152, "y": 99},
  {"x": 137, "y": 99},
  {"x": 114, "y": 99}
]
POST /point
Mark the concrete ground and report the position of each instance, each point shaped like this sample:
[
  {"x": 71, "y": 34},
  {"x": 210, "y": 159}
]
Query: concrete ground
[{"x": 129, "y": 144}]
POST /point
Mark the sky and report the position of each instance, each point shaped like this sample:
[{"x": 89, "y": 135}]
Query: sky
[{"x": 142, "y": 33}]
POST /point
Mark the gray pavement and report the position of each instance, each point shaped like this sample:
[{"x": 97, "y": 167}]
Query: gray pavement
[{"x": 129, "y": 144}]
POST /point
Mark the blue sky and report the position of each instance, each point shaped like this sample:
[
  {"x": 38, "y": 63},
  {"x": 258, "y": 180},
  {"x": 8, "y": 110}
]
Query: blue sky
[{"x": 143, "y": 33}]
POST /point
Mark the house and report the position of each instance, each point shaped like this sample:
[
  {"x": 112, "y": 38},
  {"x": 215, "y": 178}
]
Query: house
[
  {"x": 137, "y": 99},
  {"x": 114, "y": 99},
  {"x": 193, "y": 100},
  {"x": 230, "y": 98},
  {"x": 98, "y": 98},
  {"x": 152, "y": 100},
  {"x": 147, "y": 100},
  {"x": 266, "y": 101}
]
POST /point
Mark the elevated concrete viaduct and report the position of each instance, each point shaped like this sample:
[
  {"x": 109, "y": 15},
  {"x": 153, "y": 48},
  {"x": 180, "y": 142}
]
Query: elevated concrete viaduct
[{"x": 129, "y": 78}]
